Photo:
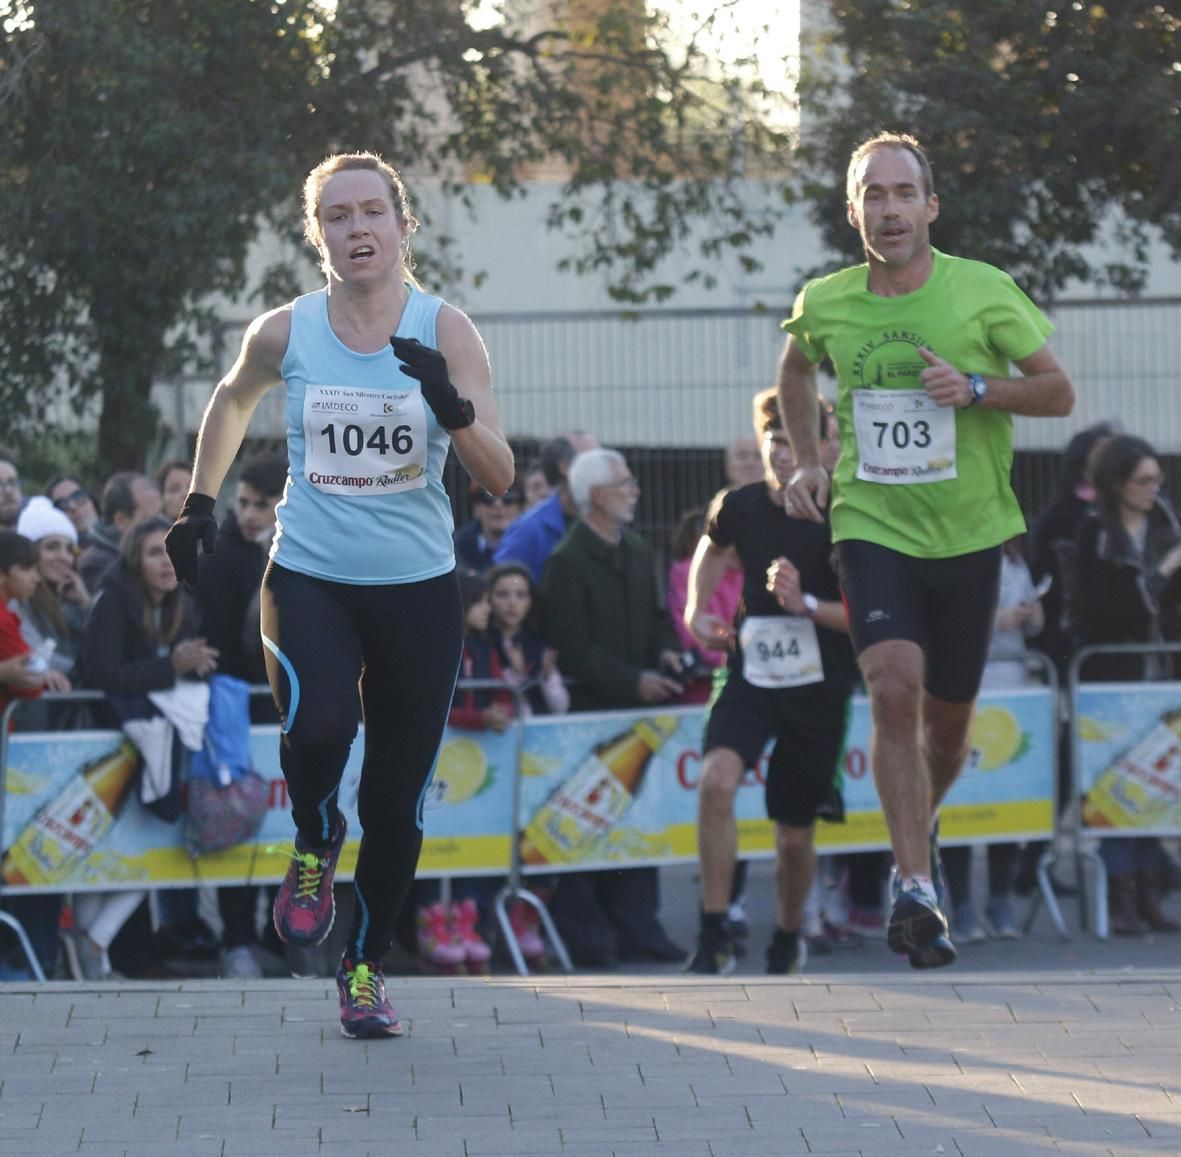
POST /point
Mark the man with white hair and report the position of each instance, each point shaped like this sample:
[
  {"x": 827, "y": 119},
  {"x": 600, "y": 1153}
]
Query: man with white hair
[
  {"x": 605, "y": 616},
  {"x": 604, "y": 612}
]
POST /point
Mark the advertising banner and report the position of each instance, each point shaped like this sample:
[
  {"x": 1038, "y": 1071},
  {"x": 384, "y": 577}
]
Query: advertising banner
[
  {"x": 1128, "y": 755},
  {"x": 598, "y": 789}
]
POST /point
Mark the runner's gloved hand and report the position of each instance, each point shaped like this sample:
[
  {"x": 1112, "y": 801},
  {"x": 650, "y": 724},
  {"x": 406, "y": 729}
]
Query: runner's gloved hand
[
  {"x": 195, "y": 524},
  {"x": 429, "y": 368}
]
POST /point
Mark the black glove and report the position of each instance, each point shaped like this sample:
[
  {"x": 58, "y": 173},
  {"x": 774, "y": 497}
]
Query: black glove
[
  {"x": 195, "y": 524},
  {"x": 429, "y": 368}
]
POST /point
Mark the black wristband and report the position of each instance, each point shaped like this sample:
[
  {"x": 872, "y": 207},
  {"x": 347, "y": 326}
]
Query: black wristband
[
  {"x": 198, "y": 504},
  {"x": 461, "y": 415}
]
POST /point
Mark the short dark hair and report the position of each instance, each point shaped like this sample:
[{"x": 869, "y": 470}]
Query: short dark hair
[
  {"x": 265, "y": 472},
  {"x": 768, "y": 417},
  {"x": 166, "y": 468},
  {"x": 16, "y": 550},
  {"x": 118, "y": 497},
  {"x": 555, "y": 454},
  {"x": 889, "y": 140}
]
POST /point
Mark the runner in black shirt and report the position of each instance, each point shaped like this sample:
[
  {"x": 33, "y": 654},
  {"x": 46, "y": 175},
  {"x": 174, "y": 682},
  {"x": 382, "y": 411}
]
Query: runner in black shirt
[{"x": 789, "y": 678}]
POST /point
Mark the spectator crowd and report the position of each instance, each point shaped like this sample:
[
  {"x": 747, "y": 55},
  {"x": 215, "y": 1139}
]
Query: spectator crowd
[{"x": 564, "y": 601}]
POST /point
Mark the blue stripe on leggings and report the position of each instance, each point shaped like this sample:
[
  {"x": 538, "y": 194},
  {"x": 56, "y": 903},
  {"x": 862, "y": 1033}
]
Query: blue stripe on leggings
[
  {"x": 322, "y": 808},
  {"x": 292, "y": 681},
  {"x": 363, "y": 929}
]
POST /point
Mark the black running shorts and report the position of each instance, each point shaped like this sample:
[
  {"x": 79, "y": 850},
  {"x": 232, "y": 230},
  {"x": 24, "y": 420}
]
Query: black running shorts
[
  {"x": 808, "y": 726},
  {"x": 945, "y": 605}
]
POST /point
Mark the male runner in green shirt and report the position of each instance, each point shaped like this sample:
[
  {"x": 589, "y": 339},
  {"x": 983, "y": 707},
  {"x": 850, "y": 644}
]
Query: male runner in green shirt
[{"x": 921, "y": 499}]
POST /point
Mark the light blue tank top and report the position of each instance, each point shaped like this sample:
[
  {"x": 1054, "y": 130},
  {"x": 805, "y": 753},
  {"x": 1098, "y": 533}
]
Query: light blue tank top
[{"x": 364, "y": 500}]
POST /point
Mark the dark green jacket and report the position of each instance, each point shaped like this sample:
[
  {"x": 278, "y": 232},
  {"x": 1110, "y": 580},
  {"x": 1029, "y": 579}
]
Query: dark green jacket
[{"x": 605, "y": 616}]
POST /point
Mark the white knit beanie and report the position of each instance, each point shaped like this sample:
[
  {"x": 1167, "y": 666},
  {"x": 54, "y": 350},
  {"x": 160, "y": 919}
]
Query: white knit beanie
[{"x": 40, "y": 518}]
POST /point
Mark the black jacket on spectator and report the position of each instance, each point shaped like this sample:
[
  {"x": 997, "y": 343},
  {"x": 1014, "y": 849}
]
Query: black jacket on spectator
[
  {"x": 117, "y": 656},
  {"x": 1052, "y": 544},
  {"x": 1119, "y": 596}
]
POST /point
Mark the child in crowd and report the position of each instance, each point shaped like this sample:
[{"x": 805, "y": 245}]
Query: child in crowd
[
  {"x": 525, "y": 660},
  {"x": 18, "y": 580},
  {"x": 520, "y": 655}
]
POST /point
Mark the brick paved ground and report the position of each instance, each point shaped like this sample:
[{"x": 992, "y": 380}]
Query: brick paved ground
[{"x": 956, "y": 1063}]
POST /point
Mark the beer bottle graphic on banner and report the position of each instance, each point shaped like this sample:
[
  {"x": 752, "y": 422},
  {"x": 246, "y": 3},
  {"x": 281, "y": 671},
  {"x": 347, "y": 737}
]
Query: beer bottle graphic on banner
[
  {"x": 69, "y": 827},
  {"x": 582, "y": 810},
  {"x": 1142, "y": 788}
]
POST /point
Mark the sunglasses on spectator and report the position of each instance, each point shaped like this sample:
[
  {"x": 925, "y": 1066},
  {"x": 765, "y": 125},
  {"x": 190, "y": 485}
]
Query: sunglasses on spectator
[
  {"x": 68, "y": 500},
  {"x": 510, "y": 499}
]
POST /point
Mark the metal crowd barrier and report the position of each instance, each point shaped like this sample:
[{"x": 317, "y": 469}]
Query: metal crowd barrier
[
  {"x": 1166, "y": 779},
  {"x": 1049, "y": 856},
  {"x": 514, "y": 888},
  {"x": 5, "y": 723}
]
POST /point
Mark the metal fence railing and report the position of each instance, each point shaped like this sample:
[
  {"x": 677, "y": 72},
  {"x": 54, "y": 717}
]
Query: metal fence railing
[{"x": 1125, "y": 743}]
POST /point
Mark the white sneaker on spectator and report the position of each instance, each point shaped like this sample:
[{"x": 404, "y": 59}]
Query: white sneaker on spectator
[
  {"x": 86, "y": 960},
  {"x": 966, "y": 927},
  {"x": 1000, "y": 915},
  {"x": 239, "y": 963}
]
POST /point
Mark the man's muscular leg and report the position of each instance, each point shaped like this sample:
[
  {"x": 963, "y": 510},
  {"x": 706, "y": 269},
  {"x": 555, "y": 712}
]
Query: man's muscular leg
[
  {"x": 946, "y": 740},
  {"x": 893, "y": 672}
]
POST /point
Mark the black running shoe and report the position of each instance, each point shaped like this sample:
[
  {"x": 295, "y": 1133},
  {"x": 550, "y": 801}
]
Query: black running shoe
[
  {"x": 786, "y": 954},
  {"x": 918, "y": 930},
  {"x": 714, "y": 956}
]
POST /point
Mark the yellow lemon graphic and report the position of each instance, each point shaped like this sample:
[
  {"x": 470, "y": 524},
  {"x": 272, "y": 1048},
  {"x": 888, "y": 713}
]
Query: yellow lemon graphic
[
  {"x": 996, "y": 738},
  {"x": 461, "y": 771},
  {"x": 535, "y": 765},
  {"x": 1093, "y": 731},
  {"x": 22, "y": 783}
]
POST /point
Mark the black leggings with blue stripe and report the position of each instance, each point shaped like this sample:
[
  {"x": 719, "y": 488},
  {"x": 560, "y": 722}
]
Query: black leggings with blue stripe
[{"x": 402, "y": 643}]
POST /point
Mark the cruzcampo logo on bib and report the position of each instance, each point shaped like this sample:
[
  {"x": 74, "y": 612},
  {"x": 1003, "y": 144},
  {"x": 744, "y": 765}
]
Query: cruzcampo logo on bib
[{"x": 903, "y": 438}]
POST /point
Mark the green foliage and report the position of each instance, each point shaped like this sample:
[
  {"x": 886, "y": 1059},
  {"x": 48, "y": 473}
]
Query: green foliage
[
  {"x": 1049, "y": 126},
  {"x": 147, "y": 142},
  {"x": 141, "y": 140}
]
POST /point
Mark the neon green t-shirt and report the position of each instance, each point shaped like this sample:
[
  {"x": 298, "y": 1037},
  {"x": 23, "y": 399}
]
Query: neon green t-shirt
[{"x": 927, "y": 482}]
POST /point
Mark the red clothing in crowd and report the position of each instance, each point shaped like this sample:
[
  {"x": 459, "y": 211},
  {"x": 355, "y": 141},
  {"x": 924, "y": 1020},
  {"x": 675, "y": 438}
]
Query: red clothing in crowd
[{"x": 12, "y": 643}]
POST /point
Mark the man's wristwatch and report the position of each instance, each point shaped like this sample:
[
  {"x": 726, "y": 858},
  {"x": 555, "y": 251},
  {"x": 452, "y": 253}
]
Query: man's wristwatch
[
  {"x": 811, "y": 605},
  {"x": 979, "y": 389}
]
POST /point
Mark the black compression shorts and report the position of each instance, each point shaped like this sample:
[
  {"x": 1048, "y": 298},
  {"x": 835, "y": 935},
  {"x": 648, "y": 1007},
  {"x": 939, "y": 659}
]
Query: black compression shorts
[{"x": 945, "y": 605}]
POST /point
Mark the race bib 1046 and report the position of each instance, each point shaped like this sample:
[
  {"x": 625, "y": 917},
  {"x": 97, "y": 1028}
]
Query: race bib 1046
[
  {"x": 903, "y": 437},
  {"x": 361, "y": 442}
]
